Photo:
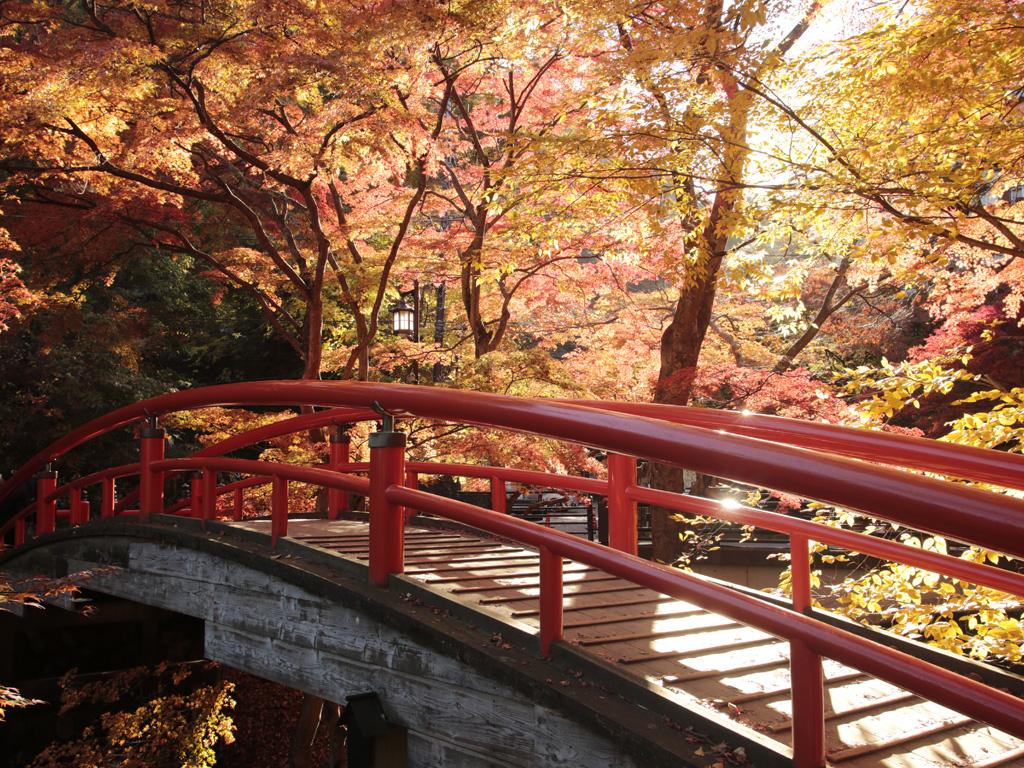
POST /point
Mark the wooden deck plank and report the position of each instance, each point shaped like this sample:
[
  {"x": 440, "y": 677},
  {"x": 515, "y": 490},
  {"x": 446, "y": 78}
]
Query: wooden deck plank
[{"x": 493, "y": 572}]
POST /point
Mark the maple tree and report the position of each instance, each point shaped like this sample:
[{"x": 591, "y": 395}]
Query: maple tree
[
  {"x": 499, "y": 104},
  {"x": 937, "y": 158},
  {"x": 14, "y": 296},
  {"x": 275, "y": 178},
  {"x": 306, "y": 184},
  {"x": 150, "y": 326},
  {"x": 929, "y": 186},
  {"x": 676, "y": 138},
  {"x": 152, "y": 717},
  {"x": 677, "y": 133}
]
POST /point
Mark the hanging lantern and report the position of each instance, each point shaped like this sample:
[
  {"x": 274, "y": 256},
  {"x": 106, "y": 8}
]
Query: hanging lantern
[{"x": 403, "y": 319}]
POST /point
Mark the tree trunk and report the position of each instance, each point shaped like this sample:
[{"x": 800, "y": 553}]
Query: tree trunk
[
  {"x": 300, "y": 755},
  {"x": 684, "y": 336},
  {"x": 680, "y": 351},
  {"x": 314, "y": 339}
]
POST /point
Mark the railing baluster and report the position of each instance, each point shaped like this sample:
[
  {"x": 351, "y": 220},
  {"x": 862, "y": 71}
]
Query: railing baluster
[
  {"x": 412, "y": 480},
  {"x": 551, "y": 593},
  {"x": 151, "y": 483},
  {"x": 279, "y": 510},
  {"x": 499, "y": 499},
  {"x": 239, "y": 504},
  {"x": 75, "y": 507},
  {"x": 208, "y": 498},
  {"x": 338, "y": 499},
  {"x": 806, "y": 679},
  {"x": 108, "y": 498},
  {"x": 46, "y": 511},
  {"x": 622, "y": 514},
  {"x": 195, "y": 503},
  {"x": 387, "y": 543}
]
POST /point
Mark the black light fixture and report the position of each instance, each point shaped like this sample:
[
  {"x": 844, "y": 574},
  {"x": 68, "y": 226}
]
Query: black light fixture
[{"x": 403, "y": 319}]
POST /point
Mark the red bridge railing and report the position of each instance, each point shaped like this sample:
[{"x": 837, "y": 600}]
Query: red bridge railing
[{"x": 822, "y": 463}]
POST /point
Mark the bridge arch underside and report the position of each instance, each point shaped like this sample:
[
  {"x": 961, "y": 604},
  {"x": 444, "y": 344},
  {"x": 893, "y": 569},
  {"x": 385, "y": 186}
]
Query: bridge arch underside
[{"x": 464, "y": 695}]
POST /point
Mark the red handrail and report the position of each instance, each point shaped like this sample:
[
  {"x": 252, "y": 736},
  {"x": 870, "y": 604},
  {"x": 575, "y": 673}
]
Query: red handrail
[
  {"x": 975, "y": 699},
  {"x": 967, "y": 514},
  {"x": 966, "y": 462},
  {"x": 222, "y": 490},
  {"x": 269, "y": 431},
  {"x": 288, "y": 427},
  {"x": 287, "y": 472},
  {"x": 967, "y": 570},
  {"x": 106, "y": 476}
]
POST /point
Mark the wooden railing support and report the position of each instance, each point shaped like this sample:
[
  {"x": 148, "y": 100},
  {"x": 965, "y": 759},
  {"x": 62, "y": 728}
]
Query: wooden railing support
[
  {"x": 279, "y": 510},
  {"x": 208, "y": 497},
  {"x": 622, "y": 514},
  {"x": 78, "y": 508},
  {"x": 151, "y": 483},
  {"x": 551, "y": 590},
  {"x": 499, "y": 499},
  {"x": 805, "y": 670},
  {"x": 387, "y": 542},
  {"x": 412, "y": 480},
  {"x": 239, "y": 504},
  {"x": 108, "y": 497},
  {"x": 46, "y": 511},
  {"x": 340, "y": 458},
  {"x": 195, "y": 502}
]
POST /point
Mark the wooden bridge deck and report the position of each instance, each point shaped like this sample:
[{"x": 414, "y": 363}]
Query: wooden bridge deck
[{"x": 692, "y": 654}]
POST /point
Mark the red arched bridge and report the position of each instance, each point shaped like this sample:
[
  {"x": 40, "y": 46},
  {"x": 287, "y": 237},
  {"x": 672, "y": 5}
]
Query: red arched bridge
[{"x": 492, "y": 640}]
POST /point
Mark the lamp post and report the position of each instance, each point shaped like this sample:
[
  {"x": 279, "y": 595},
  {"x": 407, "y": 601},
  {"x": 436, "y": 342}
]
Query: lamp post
[{"x": 405, "y": 321}]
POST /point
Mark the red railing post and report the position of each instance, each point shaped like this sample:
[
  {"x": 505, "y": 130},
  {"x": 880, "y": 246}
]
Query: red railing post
[
  {"x": 75, "y": 507},
  {"x": 279, "y": 510},
  {"x": 79, "y": 508},
  {"x": 806, "y": 677},
  {"x": 499, "y": 499},
  {"x": 622, "y": 515},
  {"x": 195, "y": 503},
  {"x": 208, "y": 497},
  {"x": 387, "y": 468},
  {"x": 412, "y": 480},
  {"x": 46, "y": 511},
  {"x": 239, "y": 504},
  {"x": 19, "y": 531},
  {"x": 551, "y": 591},
  {"x": 337, "y": 499},
  {"x": 109, "y": 497},
  {"x": 151, "y": 483}
]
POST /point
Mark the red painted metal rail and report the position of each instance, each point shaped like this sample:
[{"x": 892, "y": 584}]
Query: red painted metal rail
[{"x": 818, "y": 462}]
